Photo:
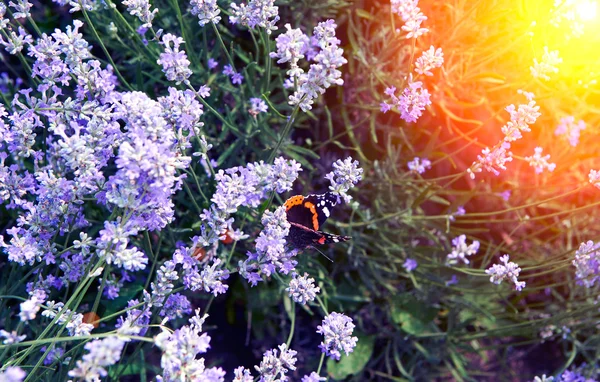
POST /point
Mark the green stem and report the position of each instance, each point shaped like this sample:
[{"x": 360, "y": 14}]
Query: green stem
[{"x": 87, "y": 19}]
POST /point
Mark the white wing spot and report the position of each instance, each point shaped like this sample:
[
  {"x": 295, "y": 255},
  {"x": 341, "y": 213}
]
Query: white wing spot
[{"x": 326, "y": 211}]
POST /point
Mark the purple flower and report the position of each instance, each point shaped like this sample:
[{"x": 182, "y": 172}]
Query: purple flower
[
  {"x": 337, "y": 329},
  {"x": 180, "y": 350},
  {"x": 313, "y": 377},
  {"x": 345, "y": 175},
  {"x": 411, "y": 15},
  {"x": 430, "y": 59},
  {"x": 241, "y": 374},
  {"x": 594, "y": 178},
  {"x": 461, "y": 250},
  {"x": 206, "y": 10},
  {"x": 410, "y": 265},
  {"x": 176, "y": 306},
  {"x": 55, "y": 354},
  {"x": 273, "y": 367},
  {"x": 101, "y": 354},
  {"x": 587, "y": 264},
  {"x": 16, "y": 42},
  {"x": 210, "y": 279},
  {"x": 413, "y": 101},
  {"x": 505, "y": 195},
  {"x": 237, "y": 78},
  {"x": 506, "y": 271},
  {"x": 540, "y": 162},
  {"x": 257, "y": 105},
  {"x": 419, "y": 165},
  {"x": 570, "y": 129},
  {"x": 141, "y": 9},
  {"x": 212, "y": 63},
  {"x": 260, "y": 13},
  {"x": 136, "y": 321},
  {"x": 182, "y": 111},
  {"x": 324, "y": 72},
  {"x": 492, "y": 160},
  {"x": 302, "y": 289},
  {"x": 12, "y": 374},
  {"x": 21, "y": 8},
  {"x": 291, "y": 47},
  {"x": 547, "y": 66},
  {"x": 11, "y": 337},
  {"x": 453, "y": 280},
  {"x": 174, "y": 61}
]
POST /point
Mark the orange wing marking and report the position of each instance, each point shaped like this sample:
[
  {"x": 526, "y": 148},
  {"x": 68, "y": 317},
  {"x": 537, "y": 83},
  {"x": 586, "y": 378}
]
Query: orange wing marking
[
  {"x": 293, "y": 201},
  {"x": 315, "y": 216}
]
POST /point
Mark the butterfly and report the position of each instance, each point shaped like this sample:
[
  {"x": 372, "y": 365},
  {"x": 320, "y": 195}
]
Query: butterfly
[{"x": 306, "y": 215}]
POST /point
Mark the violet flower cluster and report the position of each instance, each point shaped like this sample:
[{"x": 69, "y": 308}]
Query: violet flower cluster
[
  {"x": 261, "y": 13},
  {"x": 337, "y": 330},
  {"x": 506, "y": 271},
  {"x": 570, "y": 129},
  {"x": 323, "y": 73},
  {"x": 345, "y": 175},
  {"x": 587, "y": 264},
  {"x": 461, "y": 250},
  {"x": 494, "y": 160},
  {"x": 302, "y": 288},
  {"x": 419, "y": 165},
  {"x": 243, "y": 186}
]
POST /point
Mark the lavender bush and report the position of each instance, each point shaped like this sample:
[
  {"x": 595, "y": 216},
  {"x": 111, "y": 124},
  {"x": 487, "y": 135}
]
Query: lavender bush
[{"x": 147, "y": 149}]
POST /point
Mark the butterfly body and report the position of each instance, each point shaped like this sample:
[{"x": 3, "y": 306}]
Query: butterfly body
[{"x": 306, "y": 215}]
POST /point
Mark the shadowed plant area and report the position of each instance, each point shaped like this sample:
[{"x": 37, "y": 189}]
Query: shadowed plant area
[{"x": 309, "y": 191}]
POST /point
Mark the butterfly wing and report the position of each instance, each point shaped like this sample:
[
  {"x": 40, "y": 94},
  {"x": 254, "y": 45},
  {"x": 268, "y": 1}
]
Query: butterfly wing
[
  {"x": 301, "y": 237},
  {"x": 310, "y": 211}
]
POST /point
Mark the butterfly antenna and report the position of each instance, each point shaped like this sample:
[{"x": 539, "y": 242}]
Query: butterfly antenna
[{"x": 324, "y": 255}]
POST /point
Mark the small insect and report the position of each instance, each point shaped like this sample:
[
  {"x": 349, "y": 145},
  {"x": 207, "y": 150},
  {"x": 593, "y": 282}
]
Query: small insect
[{"x": 306, "y": 214}]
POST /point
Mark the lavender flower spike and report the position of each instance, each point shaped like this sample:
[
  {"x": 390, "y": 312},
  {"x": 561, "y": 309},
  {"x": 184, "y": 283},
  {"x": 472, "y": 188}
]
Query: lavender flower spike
[
  {"x": 344, "y": 176},
  {"x": 337, "y": 329},
  {"x": 509, "y": 271}
]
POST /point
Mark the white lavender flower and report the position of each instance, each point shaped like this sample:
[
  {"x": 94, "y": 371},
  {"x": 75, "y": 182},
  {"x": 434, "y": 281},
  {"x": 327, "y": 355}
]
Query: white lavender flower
[
  {"x": 291, "y": 47},
  {"x": 141, "y": 9},
  {"x": 260, "y": 13},
  {"x": 337, "y": 329},
  {"x": 12, "y": 374},
  {"x": 75, "y": 325},
  {"x": 506, "y": 271},
  {"x": 211, "y": 279},
  {"x": 21, "y": 8},
  {"x": 180, "y": 350},
  {"x": 547, "y": 66},
  {"x": 302, "y": 289},
  {"x": 419, "y": 165},
  {"x": 173, "y": 60},
  {"x": 274, "y": 367},
  {"x": 241, "y": 374},
  {"x": 539, "y": 162},
  {"x": 461, "y": 250},
  {"x": 324, "y": 72},
  {"x": 586, "y": 263},
  {"x": 11, "y": 337},
  {"x": 430, "y": 59},
  {"x": 29, "y": 308},
  {"x": 206, "y": 10},
  {"x": 101, "y": 354},
  {"x": 313, "y": 377},
  {"x": 257, "y": 105},
  {"x": 344, "y": 176}
]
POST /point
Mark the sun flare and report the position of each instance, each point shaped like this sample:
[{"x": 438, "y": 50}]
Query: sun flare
[{"x": 586, "y": 10}]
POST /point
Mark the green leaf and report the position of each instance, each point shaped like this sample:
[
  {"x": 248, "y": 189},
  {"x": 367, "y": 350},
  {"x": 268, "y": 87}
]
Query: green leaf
[
  {"x": 354, "y": 362},
  {"x": 414, "y": 317}
]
